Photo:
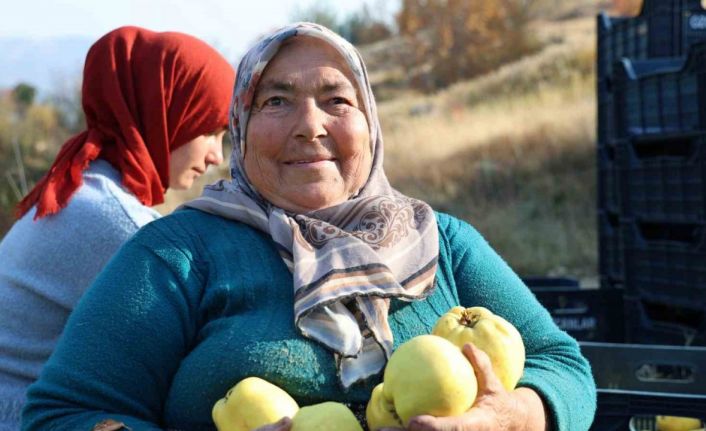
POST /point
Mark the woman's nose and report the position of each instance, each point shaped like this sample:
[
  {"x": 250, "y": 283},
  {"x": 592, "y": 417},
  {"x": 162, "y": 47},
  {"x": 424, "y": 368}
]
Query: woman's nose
[
  {"x": 310, "y": 121},
  {"x": 215, "y": 155}
]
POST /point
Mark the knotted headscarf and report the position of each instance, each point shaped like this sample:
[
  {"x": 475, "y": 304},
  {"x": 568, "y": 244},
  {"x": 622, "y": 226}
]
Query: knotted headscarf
[
  {"x": 144, "y": 94},
  {"x": 348, "y": 260}
]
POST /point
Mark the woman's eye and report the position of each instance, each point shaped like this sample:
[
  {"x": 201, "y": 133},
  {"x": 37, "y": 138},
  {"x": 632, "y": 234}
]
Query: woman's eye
[
  {"x": 339, "y": 100},
  {"x": 274, "y": 101}
]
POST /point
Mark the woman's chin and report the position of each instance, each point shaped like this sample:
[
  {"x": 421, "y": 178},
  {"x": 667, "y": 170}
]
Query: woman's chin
[
  {"x": 181, "y": 185},
  {"x": 307, "y": 201}
]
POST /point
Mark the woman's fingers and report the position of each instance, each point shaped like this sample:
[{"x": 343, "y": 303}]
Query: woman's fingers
[
  {"x": 431, "y": 423},
  {"x": 483, "y": 368},
  {"x": 484, "y": 414},
  {"x": 283, "y": 424}
]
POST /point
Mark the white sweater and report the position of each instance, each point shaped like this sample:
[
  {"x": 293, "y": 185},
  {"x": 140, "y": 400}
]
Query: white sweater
[{"x": 46, "y": 265}]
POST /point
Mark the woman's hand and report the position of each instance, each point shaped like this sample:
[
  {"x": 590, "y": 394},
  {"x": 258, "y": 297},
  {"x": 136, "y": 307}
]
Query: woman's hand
[
  {"x": 495, "y": 409},
  {"x": 284, "y": 424}
]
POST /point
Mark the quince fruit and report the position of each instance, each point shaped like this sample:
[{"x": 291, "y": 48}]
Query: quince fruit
[
  {"x": 324, "y": 417},
  {"x": 252, "y": 403},
  {"x": 676, "y": 423},
  {"x": 489, "y": 332},
  {"x": 380, "y": 413},
  {"x": 425, "y": 375}
]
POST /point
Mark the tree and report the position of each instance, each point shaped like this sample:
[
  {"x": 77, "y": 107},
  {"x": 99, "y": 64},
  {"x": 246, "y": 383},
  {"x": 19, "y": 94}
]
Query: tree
[
  {"x": 460, "y": 39},
  {"x": 30, "y": 136},
  {"x": 358, "y": 28},
  {"x": 320, "y": 13},
  {"x": 23, "y": 95},
  {"x": 364, "y": 26},
  {"x": 626, "y": 7}
]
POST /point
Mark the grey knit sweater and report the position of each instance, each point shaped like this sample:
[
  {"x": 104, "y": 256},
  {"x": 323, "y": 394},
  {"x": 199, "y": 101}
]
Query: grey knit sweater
[{"x": 46, "y": 265}]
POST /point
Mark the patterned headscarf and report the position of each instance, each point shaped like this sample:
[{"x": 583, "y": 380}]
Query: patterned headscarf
[{"x": 347, "y": 260}]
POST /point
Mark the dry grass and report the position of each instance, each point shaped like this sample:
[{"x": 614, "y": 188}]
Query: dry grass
[
  {"x": 512, "y": 152},
  {"x": 531, "y": 194},
  {"x": 442, "y": 133}
]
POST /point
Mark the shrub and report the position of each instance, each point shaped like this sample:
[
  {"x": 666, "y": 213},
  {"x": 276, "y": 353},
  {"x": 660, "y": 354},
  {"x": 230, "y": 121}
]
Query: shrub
[
  {"x": 30, "y": 136},
  {"x": 361, "y": 27},
  {"x": 459, "y": 39}
]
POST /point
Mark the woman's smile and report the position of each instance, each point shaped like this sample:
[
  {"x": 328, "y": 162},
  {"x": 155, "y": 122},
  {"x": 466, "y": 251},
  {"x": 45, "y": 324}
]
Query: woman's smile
[{"x": 313, "y": 163}]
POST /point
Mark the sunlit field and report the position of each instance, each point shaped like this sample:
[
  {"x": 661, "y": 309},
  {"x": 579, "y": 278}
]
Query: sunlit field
[{"x": 511, "y": 151}]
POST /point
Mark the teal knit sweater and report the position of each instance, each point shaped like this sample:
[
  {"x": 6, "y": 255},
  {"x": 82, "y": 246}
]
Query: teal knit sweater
[{"x": 193, "y": 303}]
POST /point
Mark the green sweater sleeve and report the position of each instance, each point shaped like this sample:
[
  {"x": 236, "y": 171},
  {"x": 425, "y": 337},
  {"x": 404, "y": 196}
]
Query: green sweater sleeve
[
  {"x": 123, "y": 343},
  {"x": 554, "y": 365}
]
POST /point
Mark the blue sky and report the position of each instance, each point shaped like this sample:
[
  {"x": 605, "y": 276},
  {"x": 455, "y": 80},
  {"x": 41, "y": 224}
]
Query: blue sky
[
  {"x": 44, "y": 42},
  {"x": 230, "y": 25}
]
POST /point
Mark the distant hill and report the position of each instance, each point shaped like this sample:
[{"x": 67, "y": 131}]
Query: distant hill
[{"x": 43, "y": 63}]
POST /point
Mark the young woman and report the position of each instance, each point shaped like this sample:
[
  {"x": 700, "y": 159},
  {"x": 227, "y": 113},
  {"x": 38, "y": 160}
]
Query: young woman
[{"x": 156, "y": 110}]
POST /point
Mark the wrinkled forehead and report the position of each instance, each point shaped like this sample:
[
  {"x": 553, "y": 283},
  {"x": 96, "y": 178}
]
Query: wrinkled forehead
[
  {"x": 253, "y": 65},
  {"x": 298, "y": 52},
  {"x": 306, "y": 62}
]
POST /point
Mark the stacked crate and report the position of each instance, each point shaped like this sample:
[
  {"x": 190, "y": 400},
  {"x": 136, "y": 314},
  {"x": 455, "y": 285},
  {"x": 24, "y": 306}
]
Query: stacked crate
[{"x": 651, "y": 153}]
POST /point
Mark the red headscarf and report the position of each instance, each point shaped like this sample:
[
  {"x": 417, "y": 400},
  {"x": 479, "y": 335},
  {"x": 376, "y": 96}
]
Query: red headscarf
[{"x": 144, "y": 94}]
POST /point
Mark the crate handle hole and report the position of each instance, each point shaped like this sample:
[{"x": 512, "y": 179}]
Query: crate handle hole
[
  {"x": 680, "y": 233},
  {"x": 676, "y": 148},
  {"x": 687, "y": 319},
  {"x": 665, "y": 373}
]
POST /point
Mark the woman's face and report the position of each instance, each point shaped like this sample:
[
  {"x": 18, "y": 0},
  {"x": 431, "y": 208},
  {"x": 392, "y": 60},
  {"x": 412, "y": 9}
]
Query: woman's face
[
  {"x": 307, "y": 142},
  {"x": 191, "y": 160}
]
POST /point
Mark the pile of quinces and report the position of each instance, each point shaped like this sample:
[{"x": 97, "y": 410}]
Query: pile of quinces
[
  {"x": 254, "y": 402},
  {"x": 427, "y": 375}
]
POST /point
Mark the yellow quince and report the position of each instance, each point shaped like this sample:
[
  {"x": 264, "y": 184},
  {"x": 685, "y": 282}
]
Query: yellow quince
[
  {"x": 324, "y": 417},
  {"x": 489, "y": 332},
  {"x": 676, "y": 423},
  {"x": 380, "y": 413},
  {"x": 252, "y": 403},
  {"x": 425, "y": 375}
]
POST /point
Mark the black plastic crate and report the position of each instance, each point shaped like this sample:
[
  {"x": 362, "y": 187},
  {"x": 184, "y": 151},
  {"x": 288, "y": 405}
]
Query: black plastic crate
[
  {"x": 610, "y": 113},
  {"x": 608, "y": 179},
  {"x": 666, "y": 262},
  {"x": 663, "y": 179},
  {"x": 611, "y": 250},
  {"x": 605, "y": 120},
  {"x": 646, "y": 380},
  {"x": 664, "y": 28},
  {"x": 666, "y": 100},
  {"x": 618, "y": 37},
  {"x": 617, "y": 409},
  {"x": 649, "y": 322},
  {"x": 586, "y": 314}
]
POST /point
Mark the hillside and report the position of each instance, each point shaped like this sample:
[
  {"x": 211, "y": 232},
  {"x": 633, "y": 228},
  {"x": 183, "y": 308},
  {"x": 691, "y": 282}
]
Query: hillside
[{"x": 511, "y": 151}]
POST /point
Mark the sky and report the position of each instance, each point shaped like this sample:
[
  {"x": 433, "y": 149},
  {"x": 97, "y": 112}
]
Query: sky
[
  {"x": 230, "y": 25},
  {"x": 44, "y": 42}
]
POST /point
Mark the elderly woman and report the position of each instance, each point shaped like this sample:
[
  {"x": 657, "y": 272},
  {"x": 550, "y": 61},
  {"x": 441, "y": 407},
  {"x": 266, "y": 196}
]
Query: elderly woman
[
  {"x": 156, "y": 107},
  {"x": 306, "y": 269}
]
